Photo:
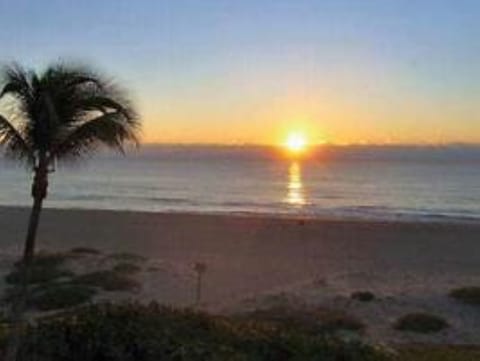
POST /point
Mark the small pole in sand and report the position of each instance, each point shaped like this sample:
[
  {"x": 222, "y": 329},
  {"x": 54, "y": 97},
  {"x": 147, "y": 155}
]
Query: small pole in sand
[{"x": 200, "y": 269}]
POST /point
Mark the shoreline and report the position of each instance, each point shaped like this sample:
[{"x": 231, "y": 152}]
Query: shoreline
[{"x": 426, "y": 220}]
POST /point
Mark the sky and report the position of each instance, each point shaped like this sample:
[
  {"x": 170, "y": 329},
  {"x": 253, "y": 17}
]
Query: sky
[{"x": 252, "y": 71}]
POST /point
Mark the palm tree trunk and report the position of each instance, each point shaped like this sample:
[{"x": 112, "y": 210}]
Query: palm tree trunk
[
  {"x": 39, "y": 192},
  {"x": 29, "y": 248}
]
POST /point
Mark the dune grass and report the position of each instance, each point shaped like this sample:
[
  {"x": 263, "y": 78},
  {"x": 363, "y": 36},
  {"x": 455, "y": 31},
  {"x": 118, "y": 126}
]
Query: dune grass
[
  {"x": 467, "y": 295},
  {"x": 363, "y": 296},
  {"x": 127, "y": 268},
  {"x": 47, "y": 259},
  {"x": 52, "y": 286},
  {"x": 315, "y": 320},
  {"x": 438, "y": 353},
  {"x": 59, "y": 296},
  {"x": 47, "y": 278},
  {"x": 46, "y": 267},
  {"x": 126, "y": 257},
  {"x": 151, "y": 333},
  {"x": 53, "y": 296},
  {"x": 420, "y": 323},
  {"x": 37, "y": 275},
  {"x": 85, "y": 251}
]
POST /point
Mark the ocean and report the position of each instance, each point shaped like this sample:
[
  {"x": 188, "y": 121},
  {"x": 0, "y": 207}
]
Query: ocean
[{"x": 359, "y": 182}]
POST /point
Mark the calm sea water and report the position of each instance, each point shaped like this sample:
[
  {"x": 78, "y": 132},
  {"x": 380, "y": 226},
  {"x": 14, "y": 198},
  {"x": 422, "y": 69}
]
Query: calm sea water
[{"x": 353, "y": 182}]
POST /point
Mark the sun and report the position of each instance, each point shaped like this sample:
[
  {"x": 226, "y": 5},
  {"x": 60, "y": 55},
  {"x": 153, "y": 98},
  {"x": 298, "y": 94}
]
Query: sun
[{"x": 296, "y": 142}]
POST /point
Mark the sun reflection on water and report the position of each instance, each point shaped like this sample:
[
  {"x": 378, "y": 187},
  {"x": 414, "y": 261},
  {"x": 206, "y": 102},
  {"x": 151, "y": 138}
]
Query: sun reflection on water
[{"x": 295, "y": 195}]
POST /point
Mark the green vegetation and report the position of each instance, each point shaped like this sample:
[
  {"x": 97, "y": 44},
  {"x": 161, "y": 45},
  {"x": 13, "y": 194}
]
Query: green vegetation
[
  {"x": 54, "y": 287},
  {"x": 46, "y": 267},
  {"x": 127, "y": 268},
  {"x": 85, "y": 251},
  {"x": 108, "y": 280},
  {"x": 467, "y": 295},
  {"x": 11, "y": 295},
  {"x": 59, "y": 296},
  {"x": 36, "y": 275},
  {"x": 309, "y": 320},
  {"x": 151, "y": 333},
  {"x": 52, "y": 296},
  {"x": 127, "y": 257},
  {"x": 439, "y": 353},
  {"x": 420, "y": 323},
  {"x": 363, "y": 296},
  {"x": 47, "y": 259}
]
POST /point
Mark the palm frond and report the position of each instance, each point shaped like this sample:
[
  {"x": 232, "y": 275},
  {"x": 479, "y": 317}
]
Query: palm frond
[
  {"x": 105, "y": 104},
  {"x": 18, "y": 85},
  {"x": 63, "y": 77},
  {"x": 69, "y": 110},
  {"x": 112, "y": 129},
  {"x": 13, "y": 141}
]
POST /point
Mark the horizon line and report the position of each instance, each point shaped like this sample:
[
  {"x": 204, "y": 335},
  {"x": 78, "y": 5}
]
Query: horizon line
[{"x": 317, "y": 145}]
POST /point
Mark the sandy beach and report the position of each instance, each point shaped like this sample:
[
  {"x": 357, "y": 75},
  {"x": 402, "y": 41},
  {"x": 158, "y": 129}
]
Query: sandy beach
[{"x": 253, "y": 261}]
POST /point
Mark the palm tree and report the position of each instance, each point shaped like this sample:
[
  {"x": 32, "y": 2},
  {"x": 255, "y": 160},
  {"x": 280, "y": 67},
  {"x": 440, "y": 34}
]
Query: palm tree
[{"x": 63, "y": 113}]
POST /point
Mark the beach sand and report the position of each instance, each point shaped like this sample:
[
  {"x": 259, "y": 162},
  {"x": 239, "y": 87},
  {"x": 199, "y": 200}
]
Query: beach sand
[{"x": 253, "y": 261}]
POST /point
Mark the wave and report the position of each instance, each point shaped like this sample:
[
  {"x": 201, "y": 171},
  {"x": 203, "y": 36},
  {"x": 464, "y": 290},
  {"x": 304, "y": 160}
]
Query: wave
[
  {"x": 384, "y": 213},
  {"x": 365, "y": 183},
  {"x": 179, "y": 204},
  {"x": 119, "y": 198}
]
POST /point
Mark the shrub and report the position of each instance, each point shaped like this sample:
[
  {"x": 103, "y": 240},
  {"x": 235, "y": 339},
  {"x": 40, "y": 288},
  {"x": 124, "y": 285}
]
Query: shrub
[
  {"x": 11, "y": 295},
  {"x": 51, "y": 296},
  {"x": 84, "y": 250},
  {"x": 467, "y": 295},
  {"x": 363, "y": 296},
  {"x": 126, "y": 268},
  {"x": 45, "y": 267},
  {"x": 420, "y": 323},
  {"x": 333, "y": 320},
  {"x": 127, "y": 257},
  {"x": 438, "y": 353},
  {"x": 108, "y": 280},
  {"x": 37, "y": 275},
  {"x": 60, "y": 296},
  {"x": 46, "y": 259},
  {"x": 150, "y": 333},
  {"x": 318, "y": 320}
]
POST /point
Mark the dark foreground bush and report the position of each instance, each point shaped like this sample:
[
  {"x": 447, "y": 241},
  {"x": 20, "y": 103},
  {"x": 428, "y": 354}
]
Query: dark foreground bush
[
  {"x": 363, "y": 296},
  {"x": 126, "y": 257},
  {"x": 127, "y": 268},
  {"x": 153, "y": 333},
  {"x": 420, "y": 323},
  {"x": 51, "y": 296},
  {"x": 47, "y": 259},
  {"x": 423, "y": 352},
  {"x": 467, "y": 295},
  {"x": 59, "y": 296},
  {"x": 46, "y": 267},
  {"x": 37, "y": 275},
  {"x": 315, "y": 320},
  {"x": 84, "y": 251}
]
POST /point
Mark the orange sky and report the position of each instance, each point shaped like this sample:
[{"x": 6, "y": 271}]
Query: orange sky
[
  {"x": 328, "y": 120},
  {"x": 341, "y": 71}
]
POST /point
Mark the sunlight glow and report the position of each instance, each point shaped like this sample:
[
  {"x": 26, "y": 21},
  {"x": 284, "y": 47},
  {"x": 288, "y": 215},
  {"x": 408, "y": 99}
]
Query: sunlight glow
[{"x": 296, "y": 142}]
